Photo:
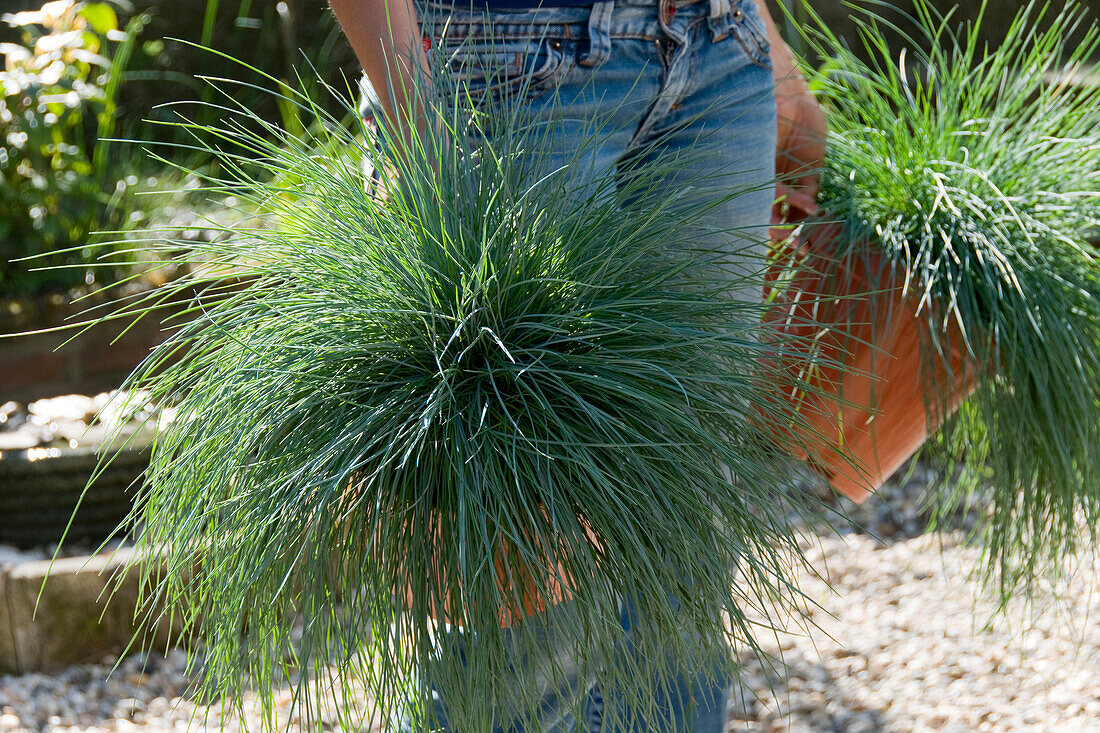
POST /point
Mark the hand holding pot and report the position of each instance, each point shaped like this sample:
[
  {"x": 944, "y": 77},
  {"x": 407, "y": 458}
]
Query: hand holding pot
[{"x": 800, "y": 141}]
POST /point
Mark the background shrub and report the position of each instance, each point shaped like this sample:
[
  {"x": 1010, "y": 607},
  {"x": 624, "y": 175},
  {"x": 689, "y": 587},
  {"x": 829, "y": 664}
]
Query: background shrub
[
  {"x": 843, "y": 17},
  {"x": 77, "y": 74},
  {"x": 59, "y": 178}
]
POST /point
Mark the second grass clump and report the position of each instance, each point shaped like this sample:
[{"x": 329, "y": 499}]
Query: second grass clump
[{"x": 969, "y": 176}]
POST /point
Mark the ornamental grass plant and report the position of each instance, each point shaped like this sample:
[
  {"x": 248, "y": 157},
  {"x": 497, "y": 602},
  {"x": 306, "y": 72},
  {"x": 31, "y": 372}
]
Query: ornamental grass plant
[
  {"x": 503, "y": 384},
  {"x": 970, "y": 176}
]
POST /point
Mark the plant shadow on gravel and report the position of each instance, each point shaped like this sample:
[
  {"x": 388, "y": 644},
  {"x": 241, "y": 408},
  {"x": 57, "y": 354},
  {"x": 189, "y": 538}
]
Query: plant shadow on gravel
[
  {"x": 799, "y": 693},
  {"x": 901, "y": 509}
]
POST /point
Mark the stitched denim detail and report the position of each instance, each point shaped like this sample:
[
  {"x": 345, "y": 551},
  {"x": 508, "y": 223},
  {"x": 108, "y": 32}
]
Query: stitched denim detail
[
  {"x": 751, "y": 33},
  {"x": 516, "y": 68},
  {"x": 599, "y": 35}
]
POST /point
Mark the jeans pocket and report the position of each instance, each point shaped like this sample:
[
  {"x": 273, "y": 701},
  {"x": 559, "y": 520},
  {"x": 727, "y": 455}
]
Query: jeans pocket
[
  {"x": 507, "y": 69},
  {"x": 751, "y": 33}
]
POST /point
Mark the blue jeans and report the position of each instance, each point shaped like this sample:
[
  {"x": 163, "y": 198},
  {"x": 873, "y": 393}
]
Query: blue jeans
[
  {"x": 655, "y": 76},
  {"x": 694, "y": 703}
]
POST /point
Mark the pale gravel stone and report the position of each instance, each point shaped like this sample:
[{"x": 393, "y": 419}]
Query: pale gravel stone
[{"x": 904, "y": 641}]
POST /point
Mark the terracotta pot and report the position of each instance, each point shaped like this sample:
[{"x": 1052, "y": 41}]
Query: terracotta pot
[
  {"x": 870, "y": 411},
  {"x": 516, "y": 582},
  {"x": 520, "y": 582}
]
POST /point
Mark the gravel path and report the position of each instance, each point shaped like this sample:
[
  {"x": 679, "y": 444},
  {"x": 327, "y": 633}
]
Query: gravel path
[{"x": 902, "y": 644}]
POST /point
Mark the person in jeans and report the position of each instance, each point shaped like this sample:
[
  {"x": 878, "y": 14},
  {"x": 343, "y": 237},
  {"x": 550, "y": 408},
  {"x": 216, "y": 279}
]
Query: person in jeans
[{"x": 655, "y": 75}]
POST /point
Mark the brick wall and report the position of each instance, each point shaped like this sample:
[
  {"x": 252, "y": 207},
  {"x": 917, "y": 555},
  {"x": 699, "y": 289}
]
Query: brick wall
[{"x": 49, "y": 364}]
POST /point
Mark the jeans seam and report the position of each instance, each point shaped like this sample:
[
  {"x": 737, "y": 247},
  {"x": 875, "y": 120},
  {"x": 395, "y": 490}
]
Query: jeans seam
[
  {"x": 748, "y": 29},
  {"x": 567, "y": 36}
]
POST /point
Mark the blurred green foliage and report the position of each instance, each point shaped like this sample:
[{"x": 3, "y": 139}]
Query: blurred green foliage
[
  {"x": 843, "y": 17},
  {"x": 60, "y": 179},
  {"x": 79, "y": 73},
  {"x": 260, "y": 44}
]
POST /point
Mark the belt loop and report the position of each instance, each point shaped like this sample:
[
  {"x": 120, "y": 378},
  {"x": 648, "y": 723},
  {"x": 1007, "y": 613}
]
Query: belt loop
[
  {"x": 599, "y": 33},
  {"x": 719, "y": 20}
]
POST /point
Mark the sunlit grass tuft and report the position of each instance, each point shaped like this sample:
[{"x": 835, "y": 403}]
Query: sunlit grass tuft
[
  {"x": 975, "y": 171},
  {"x": 504, "y": 363}
]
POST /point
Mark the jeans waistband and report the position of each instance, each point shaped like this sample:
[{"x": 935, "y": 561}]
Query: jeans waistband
[{"x": 604, "y": 20}]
